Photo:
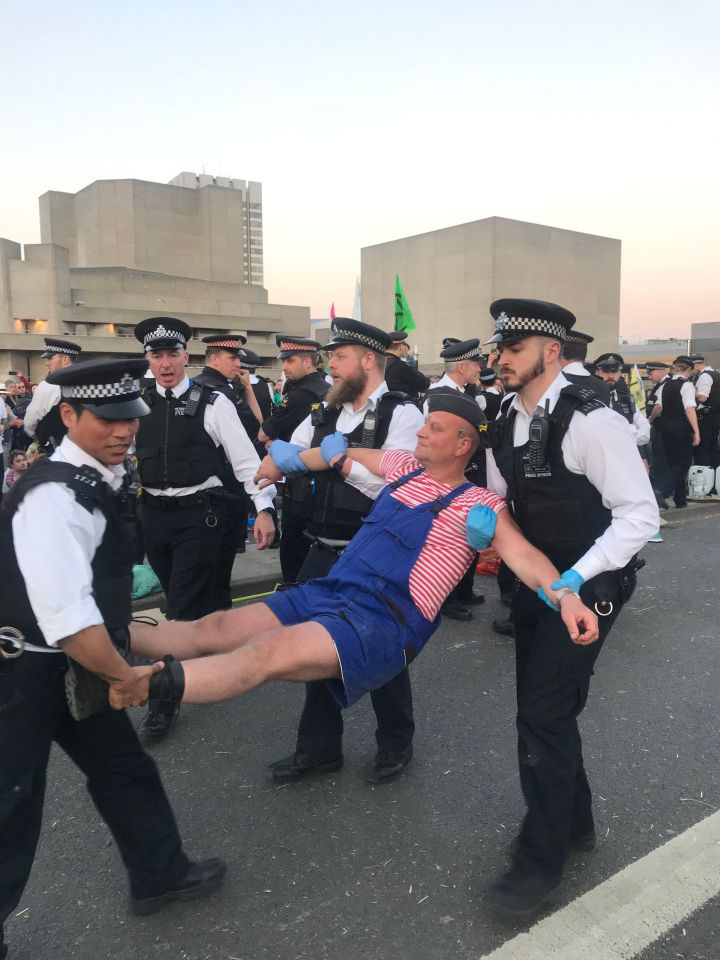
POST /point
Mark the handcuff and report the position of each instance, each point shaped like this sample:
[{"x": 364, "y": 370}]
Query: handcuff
[{"x": 339, "y": 463}]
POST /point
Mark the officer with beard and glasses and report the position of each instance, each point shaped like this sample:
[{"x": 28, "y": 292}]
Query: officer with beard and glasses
[
  {"x": 332, "y": 504},
  {"x": 305, "y": 388},
  {"x": 567, "y": 467},
  {"x": 67, "y": 575},
  {"x": 608, "y": 367}
]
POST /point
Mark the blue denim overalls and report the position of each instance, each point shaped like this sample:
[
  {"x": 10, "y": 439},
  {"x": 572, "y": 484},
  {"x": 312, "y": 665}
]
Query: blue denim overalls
[{"x": 365, "y": 601}]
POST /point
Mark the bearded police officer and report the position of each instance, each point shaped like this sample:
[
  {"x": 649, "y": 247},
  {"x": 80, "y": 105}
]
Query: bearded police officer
[
  {"x": 399, "y": 375},
  {"x": 59, "y": 637},
  {"x": 333, "y": 504},
  {"x": 609, "y": 368},
  {"x": 192, "y": 451},
  {"x": 305, "y": 388},
  {"x": 675, "y": 408},
  {"x": 579, "y": 493},
  {"x": 42, "y": 417}
]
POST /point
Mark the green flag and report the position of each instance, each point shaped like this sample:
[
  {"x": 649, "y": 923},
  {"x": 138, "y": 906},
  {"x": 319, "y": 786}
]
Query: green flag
[{"x": 403, "y": 317}]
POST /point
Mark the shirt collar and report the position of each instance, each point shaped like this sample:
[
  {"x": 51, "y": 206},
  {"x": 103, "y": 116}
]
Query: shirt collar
[
  {"x": 577, "y": 368},
  {"x": 552, "y": 393},
  {"x": 70, "y": 452},
  {"x": 371, "y": 401},
  {"x": 179, "y": 389}
]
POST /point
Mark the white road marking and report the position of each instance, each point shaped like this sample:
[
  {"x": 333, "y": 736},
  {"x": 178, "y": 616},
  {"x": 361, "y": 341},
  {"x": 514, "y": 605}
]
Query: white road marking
[{"x": 625, "y": 914}]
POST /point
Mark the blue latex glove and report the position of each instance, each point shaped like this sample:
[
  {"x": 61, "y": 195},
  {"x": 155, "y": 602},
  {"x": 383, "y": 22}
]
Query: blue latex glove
[
  {"x": 333, "y": 446},
  {"x": 286, "y": 457},
  {"x": 571, "y": 578},
  {"x": 480, "y": 526}
]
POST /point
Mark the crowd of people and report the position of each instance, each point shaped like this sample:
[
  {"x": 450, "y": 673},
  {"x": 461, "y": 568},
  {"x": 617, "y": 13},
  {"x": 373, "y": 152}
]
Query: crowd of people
[{"x": 382, "y": 488}]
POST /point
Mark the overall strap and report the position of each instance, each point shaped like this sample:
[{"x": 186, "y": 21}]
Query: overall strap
[{"x": 435, "y": 505}]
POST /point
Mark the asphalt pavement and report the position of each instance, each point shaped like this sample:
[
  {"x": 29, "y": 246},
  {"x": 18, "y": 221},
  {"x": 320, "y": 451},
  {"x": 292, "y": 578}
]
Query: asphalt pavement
[{"x": 335, "y": 868}]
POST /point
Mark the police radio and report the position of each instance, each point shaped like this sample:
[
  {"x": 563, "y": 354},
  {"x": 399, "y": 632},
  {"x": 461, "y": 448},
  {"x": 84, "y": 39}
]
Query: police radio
[{"x": 538, "y": 435}]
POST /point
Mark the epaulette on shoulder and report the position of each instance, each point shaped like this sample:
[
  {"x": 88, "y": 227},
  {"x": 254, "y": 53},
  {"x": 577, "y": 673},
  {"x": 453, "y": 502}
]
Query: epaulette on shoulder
[
  {"x": 586, "y": 399},
  {"x": 396, "y": 397}
]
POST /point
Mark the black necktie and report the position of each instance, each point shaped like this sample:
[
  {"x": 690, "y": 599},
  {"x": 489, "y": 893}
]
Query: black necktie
[{"x": 169, "y": 394}]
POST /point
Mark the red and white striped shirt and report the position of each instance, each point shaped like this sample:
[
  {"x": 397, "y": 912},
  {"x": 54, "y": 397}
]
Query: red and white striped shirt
[{"x": 446, "y": 554}]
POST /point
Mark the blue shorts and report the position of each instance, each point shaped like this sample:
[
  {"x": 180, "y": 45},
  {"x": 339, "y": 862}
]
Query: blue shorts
[{"x": 369, "y": 639}]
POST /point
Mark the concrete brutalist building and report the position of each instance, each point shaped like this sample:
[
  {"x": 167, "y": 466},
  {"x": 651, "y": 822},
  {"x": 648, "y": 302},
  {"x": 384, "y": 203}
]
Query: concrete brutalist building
[
  {"x": 451, "y": 276},
  {"x": 122, "y": 250}
]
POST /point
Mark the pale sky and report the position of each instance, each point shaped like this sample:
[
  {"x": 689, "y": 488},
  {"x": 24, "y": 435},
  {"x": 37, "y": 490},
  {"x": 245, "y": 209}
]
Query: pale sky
[{"x": 376, "y": 120}]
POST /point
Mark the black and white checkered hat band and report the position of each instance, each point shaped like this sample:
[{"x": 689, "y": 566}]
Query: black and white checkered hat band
[
  {"x": 101, "y": 391},
  {"x": 470, "y": 355},
  {"x": 528, "y": 325},
  {"x": 162, "y": 333},
  {"x": 350, "y": 336},
  {"x": 69, "y": 351}
]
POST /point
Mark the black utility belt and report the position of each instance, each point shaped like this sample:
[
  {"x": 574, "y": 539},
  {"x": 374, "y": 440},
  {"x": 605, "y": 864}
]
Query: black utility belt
[{"x": 179, "y": 503}]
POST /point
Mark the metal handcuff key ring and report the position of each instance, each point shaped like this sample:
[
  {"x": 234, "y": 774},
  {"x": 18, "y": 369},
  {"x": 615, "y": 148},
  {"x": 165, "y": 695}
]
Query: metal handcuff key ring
[{"x": 12, "y": 643}]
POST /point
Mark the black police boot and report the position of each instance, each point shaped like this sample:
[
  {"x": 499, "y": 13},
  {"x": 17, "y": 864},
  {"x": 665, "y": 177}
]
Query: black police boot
[
  {"x": 473, "y": 599},
  {"x": 504, "y": 627},
  {"x": 201, "y": 878},
  {"x": 387, "y": 765},
  {"x": 158, "y": 722},
  {"x": 455, "y": 610},
  {"x": 520, "y": 894},
  {"x": 300, "y": 765}
]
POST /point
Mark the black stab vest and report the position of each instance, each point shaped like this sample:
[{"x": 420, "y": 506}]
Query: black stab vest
[
  {"x": 713, "y": 400},
  {"x": 621, "y": 400},
  {"x": 172, "y": 446},
  {"x": 652, "y": 396},
  {"x": 331, "y": 507},
  {"x": 559, "y": 512},
  {"x": 111, "y": 565},
  {"x": 492, "y": 404},
  {"x": 673, "y": 418}
]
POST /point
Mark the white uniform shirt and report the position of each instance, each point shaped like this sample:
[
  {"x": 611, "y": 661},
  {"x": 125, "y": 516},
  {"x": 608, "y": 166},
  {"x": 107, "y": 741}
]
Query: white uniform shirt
[
  {"x": 600, "y": 446},
  {"x": 44, "y": 399},
  {"x": 446, "y": 381},
  {"x": 55, "y": 541},
  {"x": 687, "y": 393},
  {"x": 704, "y": 383},
  {"x": 402, "y": 435},
  {"x": 222, "y": 423}
]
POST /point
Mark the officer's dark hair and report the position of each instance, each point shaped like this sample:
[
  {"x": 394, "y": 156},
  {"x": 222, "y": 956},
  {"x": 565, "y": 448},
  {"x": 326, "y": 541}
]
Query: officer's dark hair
[
  {"x": 575, "y": 351},
  {"x": 215, "y": 352}
]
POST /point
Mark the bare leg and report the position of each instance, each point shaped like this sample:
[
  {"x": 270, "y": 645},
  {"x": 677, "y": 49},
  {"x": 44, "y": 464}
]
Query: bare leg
[
  {"x": 299, "y": 653},
  {"x": 216, "y": 633}
]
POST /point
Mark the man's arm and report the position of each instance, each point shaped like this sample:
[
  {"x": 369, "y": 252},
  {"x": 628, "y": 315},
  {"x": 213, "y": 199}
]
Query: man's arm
[
  {"x": 535, "y": 570},
  {"x": 691, "y": 414}
]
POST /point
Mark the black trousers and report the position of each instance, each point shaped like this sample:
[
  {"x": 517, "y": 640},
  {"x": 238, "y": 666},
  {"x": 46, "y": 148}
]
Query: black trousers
[
  {"x": 553, "y": 681},
  {"x": 294, "y": 545},
  {"x": 122, "y": 779},
  {"x": 706, "y": 453},
  {"x": 192, "y": 550},
  {"x": 677, "y": 443},
  {"x": 658, "y": 463},
  {"x": 321, "y": 722}
]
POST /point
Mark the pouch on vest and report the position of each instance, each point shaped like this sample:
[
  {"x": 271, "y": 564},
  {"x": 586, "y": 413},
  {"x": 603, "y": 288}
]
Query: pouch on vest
[{"x": 86, "y": 693}]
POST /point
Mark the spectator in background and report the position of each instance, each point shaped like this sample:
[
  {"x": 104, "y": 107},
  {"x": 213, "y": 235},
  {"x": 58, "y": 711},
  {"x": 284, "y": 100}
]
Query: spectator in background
[{"x": 18, "y": 466}]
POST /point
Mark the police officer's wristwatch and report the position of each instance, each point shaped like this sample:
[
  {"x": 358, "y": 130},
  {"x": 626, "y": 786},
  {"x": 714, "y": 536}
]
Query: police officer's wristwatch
[
  {"x": 564, "y": 592},
  {"x": 339, "y": 463}
]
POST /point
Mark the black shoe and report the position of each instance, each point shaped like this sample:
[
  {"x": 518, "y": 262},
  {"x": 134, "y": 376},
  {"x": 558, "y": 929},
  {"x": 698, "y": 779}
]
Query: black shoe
[
  {"x": 299, "y": 765},
  {"x": 583, "y": 844},
  {"x": 156, "y": 725},
  {"x": 520, "y": 895},
  {"x": 680, "y": 506},
  {"x": 240, "y": 548},
  {"x": 387, "y": 765},
  {"x": 455, "y": 610},
  {"x": 504, "y": 627},
  {"x": 474, "y": 600},
  {"x": 202, "y": 877}
]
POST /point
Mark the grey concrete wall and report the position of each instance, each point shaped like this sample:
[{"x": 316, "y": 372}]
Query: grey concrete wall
[{"x": 451, "y": 276}]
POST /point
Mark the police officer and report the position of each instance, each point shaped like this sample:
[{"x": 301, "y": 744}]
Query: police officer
[
  {"x": 707, "y": 394},
  {"x": 305, "y": 388},
  {"x": 333, "y": 504},
  {"x": 42, "y": 417},
  {"x": 399, "y": 375},
  {"x": 192, "y": 450},
  {"x": 490, "y": 392},
  {"x": 609, "y": 368},
  {"x": 60, "y": 629},
  {"x": 658, "y": 373},
  {"x": 462, "y": 361},
  {"x": 574, "y": 355},
  {"x": 579, "y": 494},
  {"x": 675, "y": 408}
]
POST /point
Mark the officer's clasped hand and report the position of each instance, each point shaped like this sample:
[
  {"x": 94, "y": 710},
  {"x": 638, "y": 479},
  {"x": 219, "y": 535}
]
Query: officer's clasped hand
[
  {"x": 334, "y": 445},
  {"x": 480, "y": 526},
  {"x": 570, "y": 580},
  {"x": 286, "y": 457}
]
